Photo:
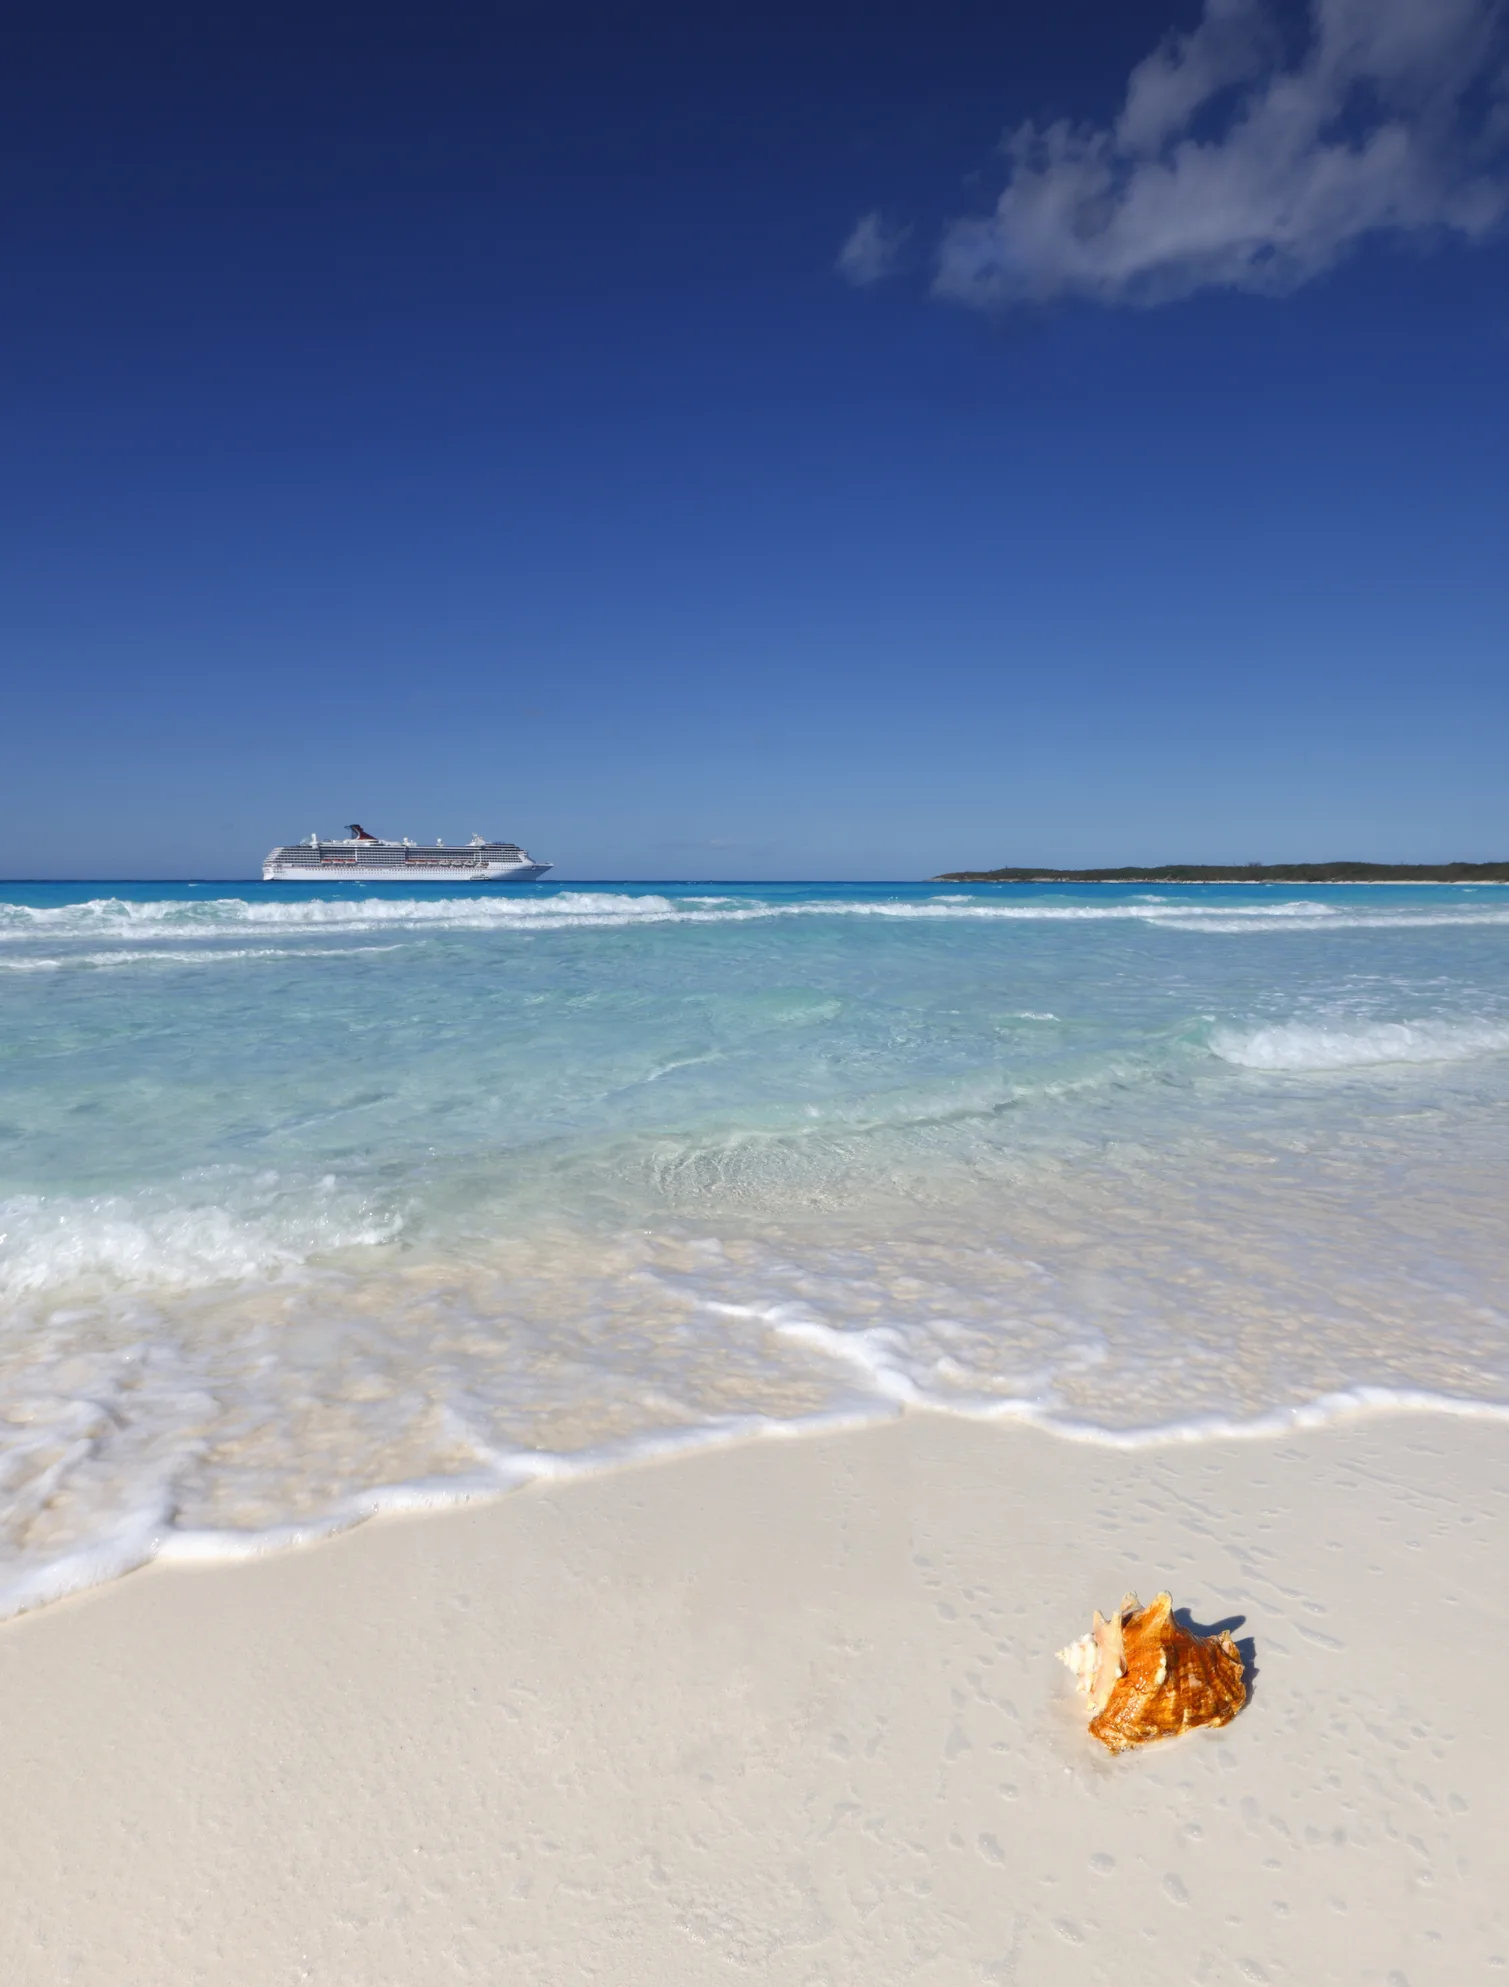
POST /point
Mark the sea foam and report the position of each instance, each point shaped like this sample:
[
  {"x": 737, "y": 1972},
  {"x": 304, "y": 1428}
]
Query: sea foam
[
  {"x": 1300, "y": 1045},
  {"x": 148, "y": 921},
  {"x": 152, "y": 1240}
]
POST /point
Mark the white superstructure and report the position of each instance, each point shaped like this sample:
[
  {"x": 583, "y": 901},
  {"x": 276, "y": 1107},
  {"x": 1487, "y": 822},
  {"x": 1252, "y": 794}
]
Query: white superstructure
[{"x": 364, "y": 858}]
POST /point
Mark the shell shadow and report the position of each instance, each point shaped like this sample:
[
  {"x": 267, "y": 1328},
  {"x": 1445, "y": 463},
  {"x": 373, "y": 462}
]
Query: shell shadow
[{"x": 1246, "y": 1645}]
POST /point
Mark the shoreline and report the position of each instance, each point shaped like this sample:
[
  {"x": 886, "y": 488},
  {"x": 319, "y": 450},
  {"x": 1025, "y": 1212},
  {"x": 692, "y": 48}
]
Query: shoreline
[
  {"x": 786, "y": 1709},
  {"x": 132, "y": 1548}
]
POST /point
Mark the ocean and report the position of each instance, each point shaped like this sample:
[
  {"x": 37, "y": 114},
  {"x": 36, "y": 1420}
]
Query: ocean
[{"x": 315, "y": 1203}]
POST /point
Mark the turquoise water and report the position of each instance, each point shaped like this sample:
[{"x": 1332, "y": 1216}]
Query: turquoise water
[{"x": 316, "y": 1200}]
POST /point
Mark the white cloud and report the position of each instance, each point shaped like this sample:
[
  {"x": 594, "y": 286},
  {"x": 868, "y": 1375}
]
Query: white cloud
[
  {"x": 871, "y": 250},
  {"x": 1228, "y": 167}
]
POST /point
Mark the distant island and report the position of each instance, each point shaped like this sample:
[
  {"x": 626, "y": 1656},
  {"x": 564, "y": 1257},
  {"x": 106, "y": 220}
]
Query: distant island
[{"x": 1251, "y": 872}]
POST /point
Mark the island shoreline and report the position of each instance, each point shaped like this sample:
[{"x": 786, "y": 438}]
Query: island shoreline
[{"x": 1309, "y": 874}]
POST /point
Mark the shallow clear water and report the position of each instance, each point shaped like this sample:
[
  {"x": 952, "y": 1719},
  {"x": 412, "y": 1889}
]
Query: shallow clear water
[{"x": 316, "y": 1200}]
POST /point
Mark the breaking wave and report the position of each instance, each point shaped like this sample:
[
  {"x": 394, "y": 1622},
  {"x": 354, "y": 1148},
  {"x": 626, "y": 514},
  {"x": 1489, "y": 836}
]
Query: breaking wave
[
  {"x": 160, "y": 1241},
  {"x": 209, "y": 955},
  {"x": 124, "y": 920},
  {"x": 1297, "y": 1045}
]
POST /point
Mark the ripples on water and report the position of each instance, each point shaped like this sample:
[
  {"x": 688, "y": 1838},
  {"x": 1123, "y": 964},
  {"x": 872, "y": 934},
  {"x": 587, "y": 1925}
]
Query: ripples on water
[{"x": 311, "y": 1203}]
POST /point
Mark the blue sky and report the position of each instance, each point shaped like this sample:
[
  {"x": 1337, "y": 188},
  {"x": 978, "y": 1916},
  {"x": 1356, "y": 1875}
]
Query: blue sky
[{"x": 755, "y": 440}]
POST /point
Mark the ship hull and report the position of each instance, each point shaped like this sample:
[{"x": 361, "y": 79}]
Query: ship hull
[{"x": 338, "y": 871}]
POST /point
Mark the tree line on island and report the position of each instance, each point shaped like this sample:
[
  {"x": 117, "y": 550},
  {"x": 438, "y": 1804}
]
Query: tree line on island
[{"x": 1250, "y": 872}]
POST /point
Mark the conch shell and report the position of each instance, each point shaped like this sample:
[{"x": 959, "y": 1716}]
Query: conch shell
[{"x": 1147, "y": 1678}]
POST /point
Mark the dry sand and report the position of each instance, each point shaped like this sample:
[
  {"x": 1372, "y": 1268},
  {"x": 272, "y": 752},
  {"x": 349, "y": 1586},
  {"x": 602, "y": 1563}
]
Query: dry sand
[{"x": 788, "y": 1713}]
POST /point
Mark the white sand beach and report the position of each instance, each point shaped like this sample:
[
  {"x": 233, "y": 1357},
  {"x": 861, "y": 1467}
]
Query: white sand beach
[{"x": 788, "y": 1712}]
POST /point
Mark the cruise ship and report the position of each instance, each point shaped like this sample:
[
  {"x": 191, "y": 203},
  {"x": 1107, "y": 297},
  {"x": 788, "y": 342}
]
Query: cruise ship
[{"x": 364, "y": 858}]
